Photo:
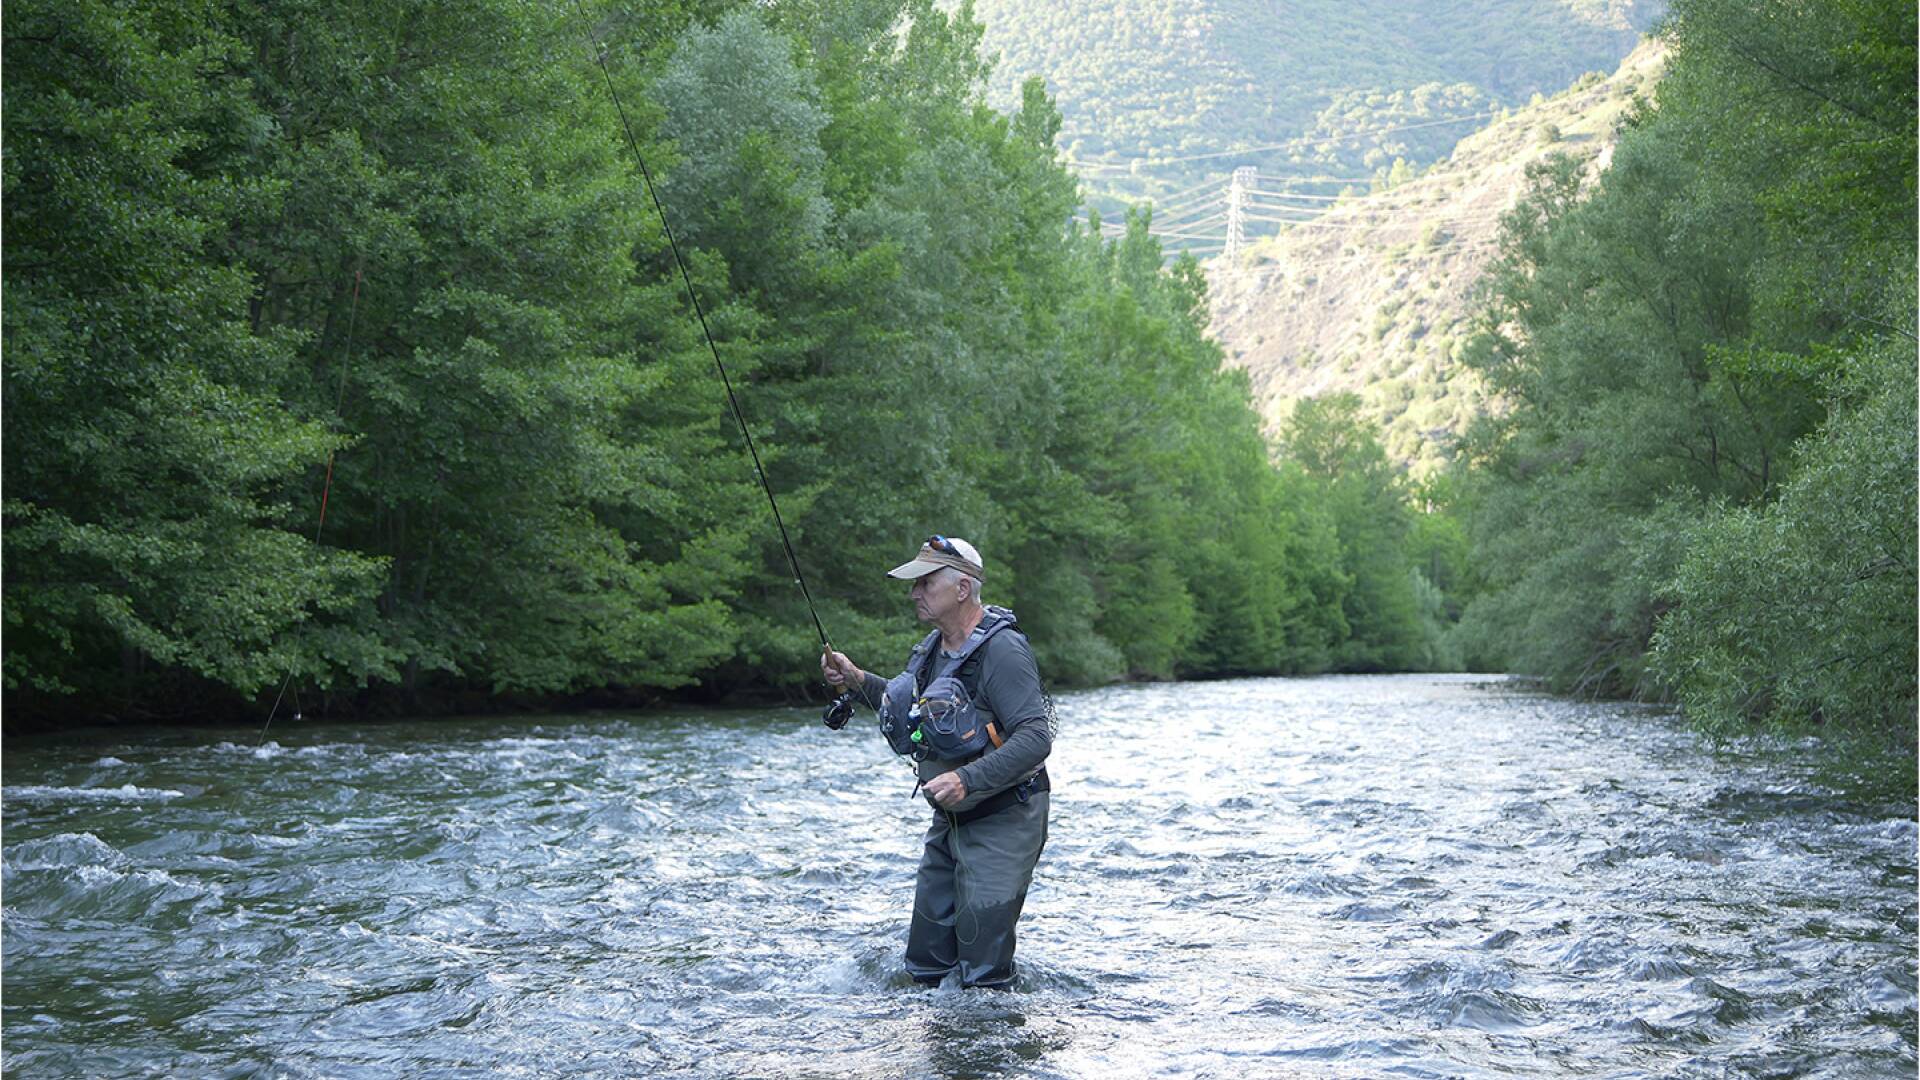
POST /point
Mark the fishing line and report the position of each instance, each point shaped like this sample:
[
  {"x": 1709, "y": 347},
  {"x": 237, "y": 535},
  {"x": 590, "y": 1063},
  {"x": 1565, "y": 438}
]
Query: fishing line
[
  {"x": 326, "y": 488},
  {"x": 653, "y": 191}
]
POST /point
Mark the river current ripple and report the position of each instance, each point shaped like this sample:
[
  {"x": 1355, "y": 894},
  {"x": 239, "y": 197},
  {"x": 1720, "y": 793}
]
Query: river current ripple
[{"x": 1411, "y": 876}]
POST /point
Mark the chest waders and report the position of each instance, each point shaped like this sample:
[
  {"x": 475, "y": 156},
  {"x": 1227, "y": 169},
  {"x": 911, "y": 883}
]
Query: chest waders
[{"x": 969, "y": 891}]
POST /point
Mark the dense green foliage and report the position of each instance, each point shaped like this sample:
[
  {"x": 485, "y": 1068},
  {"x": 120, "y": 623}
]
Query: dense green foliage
[
  {"x": 1701, "y": 479},
  {"x": 1395, "y": 611},
  {"x": 1322, "y": 87},
  {"x": 1804, "y": 608},
  {"x": 146, "y": 439},
  {"x": 405, "y": 257}
]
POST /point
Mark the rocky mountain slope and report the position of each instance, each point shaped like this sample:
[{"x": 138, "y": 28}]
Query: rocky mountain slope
[{"x": 1375, "y": 294}]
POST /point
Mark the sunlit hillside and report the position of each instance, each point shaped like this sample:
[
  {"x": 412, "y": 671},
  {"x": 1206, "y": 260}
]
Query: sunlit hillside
[
  {"x": 1374, "y": 294},
  {"x": 1161, "y": 95}
]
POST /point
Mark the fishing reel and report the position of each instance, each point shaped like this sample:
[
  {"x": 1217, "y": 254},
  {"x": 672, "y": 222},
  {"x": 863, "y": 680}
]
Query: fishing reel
[{"x": 839, "y": 711}]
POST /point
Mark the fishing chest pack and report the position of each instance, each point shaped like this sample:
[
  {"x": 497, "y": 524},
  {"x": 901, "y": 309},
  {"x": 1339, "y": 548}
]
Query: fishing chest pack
[{"x": 928, "y": 710}]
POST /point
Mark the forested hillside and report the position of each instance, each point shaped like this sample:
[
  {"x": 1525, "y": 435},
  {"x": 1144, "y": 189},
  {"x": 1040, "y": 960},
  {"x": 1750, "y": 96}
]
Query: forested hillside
[
  {"x": 1376, "y": 294},
  {"x": 1696, "y": 477},
  {"x": 345, "y": 356},
  {"x": 1159, "y": 95}
]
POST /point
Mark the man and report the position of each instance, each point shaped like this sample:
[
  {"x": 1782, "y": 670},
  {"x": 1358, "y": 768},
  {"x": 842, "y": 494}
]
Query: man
[{"x": 971, "y": 683}]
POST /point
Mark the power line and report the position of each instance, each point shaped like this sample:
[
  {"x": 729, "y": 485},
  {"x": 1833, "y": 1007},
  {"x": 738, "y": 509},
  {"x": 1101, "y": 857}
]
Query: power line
[
  {"x": 1188, "y": 236},
  {"x": 1309, "y": 223},
  {"x": 1245, "y": 198},
  {"x": 1298, "y": 141},
  {"x": 1161, "y": 227},
  {"x": 1175, "y": 209},
  {"x": 1460, "y": 247},
  {"x": 1360, "y": 210},
  {"x": 1323, "y": 179},
  {"x": 1285, "y": 210},
  {"x": 1161, "y": 213},
  {"x": 1384, "y": 199},
  {"x": 1178, "y": 221},
  {"x": 1390, "y": 198},
  {"x": 1178, "y": 195},
  {"x": 1198, "y": 214},
  {"x": 1263, "y": 193},
  {"x": 1180, "y": 234},
  {"x": 1190, "y": 223},
  {"x": 1157, "y": 223}
]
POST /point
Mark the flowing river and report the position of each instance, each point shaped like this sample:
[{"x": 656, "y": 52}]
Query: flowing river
[{"x": 1409, "y": 875}]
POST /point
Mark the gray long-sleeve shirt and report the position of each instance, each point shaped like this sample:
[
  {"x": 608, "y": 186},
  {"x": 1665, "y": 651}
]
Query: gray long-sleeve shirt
[{"x": 1010, "y": 696}]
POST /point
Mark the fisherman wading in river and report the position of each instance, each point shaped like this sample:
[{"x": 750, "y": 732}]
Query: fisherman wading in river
[{"x": 970, "y": 711}]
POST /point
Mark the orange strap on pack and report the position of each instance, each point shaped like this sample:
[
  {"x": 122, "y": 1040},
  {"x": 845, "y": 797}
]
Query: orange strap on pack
[{"x": 993, "y": 734}]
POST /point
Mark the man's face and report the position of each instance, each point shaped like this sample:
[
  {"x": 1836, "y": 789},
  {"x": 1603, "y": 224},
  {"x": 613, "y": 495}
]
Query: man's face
[{"x": 936, "y": 595}]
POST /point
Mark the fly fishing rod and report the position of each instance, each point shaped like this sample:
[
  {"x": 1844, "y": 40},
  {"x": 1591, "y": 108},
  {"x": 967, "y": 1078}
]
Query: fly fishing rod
[{"x": 841, "y": 709}]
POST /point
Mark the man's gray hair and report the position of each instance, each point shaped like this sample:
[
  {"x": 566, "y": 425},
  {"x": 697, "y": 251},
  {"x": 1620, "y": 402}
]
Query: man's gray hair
[{"x": 964, "y": 576}]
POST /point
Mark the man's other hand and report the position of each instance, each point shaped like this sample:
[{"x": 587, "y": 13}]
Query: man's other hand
[{"x": 947, "y": 789}]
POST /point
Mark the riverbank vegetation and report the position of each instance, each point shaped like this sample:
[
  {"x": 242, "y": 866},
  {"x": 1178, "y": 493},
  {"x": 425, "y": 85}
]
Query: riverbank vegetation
[
  {"x": 403, "y": 261},
  {"x": 1698, "y": 477},
  {"x": 402, "y": 257}
]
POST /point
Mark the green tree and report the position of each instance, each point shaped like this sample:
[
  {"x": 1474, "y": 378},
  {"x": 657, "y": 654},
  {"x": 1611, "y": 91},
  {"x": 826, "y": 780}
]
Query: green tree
[
  {"x": 505, "y": 347},
  {"x": 151, "y": 468},
  {"x": 1700, "y": 434},
  {"x": 414, "y": 259},
  {"x": 1800, "y": 611},
  {"x": 1362, "y": 493}
]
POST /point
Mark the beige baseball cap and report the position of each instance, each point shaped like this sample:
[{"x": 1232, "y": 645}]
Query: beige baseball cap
[{"x": 941, "y": 551}]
